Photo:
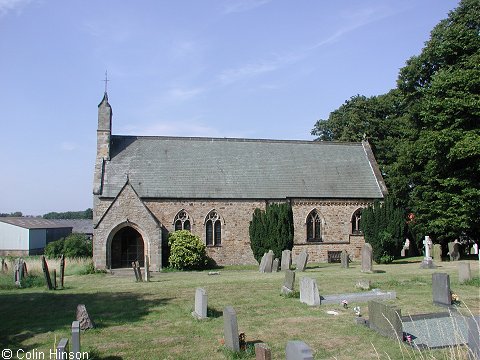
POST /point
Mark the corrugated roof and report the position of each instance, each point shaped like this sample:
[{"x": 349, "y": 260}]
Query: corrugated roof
[
  {"x": 33, "y": 223},
  {"x": 204, "y": 168}
]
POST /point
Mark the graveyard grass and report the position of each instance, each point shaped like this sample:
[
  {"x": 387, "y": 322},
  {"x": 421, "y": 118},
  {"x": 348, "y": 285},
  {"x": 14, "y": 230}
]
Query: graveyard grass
[{"x": 153, "y": 320}]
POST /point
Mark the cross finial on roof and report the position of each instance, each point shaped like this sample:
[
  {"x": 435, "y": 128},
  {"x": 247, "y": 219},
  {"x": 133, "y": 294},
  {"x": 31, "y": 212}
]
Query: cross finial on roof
[{"x": 106, "y": 81}]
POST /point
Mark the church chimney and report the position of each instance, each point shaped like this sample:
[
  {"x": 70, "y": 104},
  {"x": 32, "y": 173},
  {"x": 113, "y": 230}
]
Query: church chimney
[{"x": 104, "y": 133}]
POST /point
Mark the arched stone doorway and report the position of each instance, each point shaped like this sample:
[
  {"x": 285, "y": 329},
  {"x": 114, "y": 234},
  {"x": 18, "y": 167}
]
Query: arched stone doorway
[{"x": 127, "y": 246}]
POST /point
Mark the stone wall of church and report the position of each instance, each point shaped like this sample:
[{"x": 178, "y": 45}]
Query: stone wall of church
[
  {"x": 336, "y": 228},
  {"x": 235, "y": 217}
]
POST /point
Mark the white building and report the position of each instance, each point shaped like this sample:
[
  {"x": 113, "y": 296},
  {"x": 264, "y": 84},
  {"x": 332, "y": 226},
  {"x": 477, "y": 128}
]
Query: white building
[{"x": 21, "y": 236}]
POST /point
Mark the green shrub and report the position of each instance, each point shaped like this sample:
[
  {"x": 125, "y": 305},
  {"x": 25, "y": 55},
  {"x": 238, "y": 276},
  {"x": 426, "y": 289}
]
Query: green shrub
[
  {"x": 187, "y": 252},
  {"x": 73, "y": 246}
]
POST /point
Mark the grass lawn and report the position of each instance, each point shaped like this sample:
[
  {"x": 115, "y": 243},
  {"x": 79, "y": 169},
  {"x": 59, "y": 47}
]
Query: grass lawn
[{"x": 153, "y": 320}]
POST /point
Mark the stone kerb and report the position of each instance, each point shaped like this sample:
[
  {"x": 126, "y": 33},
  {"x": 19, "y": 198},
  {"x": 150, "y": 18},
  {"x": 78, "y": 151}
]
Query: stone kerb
[
  {"x": 309, "y": 291},
  {"x": 385, "y": 319}
]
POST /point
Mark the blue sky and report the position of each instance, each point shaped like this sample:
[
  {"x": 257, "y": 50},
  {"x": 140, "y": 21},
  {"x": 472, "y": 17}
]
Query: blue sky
[{"x": 222, "y": 68}]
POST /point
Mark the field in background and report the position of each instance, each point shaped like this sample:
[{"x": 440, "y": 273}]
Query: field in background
[{"x": 153, "y": 320}]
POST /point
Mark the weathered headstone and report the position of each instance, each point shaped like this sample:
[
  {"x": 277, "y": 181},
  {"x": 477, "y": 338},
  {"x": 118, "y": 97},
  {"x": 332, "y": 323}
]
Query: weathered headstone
[
  {"x": 309, "y": 291},
  {"x": 473, "y": 337},
  {"x": 344, "y": 259},
  {"x": 18, "y": 271},
  {"x": 385, "y": 319},
  {"x": 83, "y": 318},
  {"x": 367, "y": 252},
  {"x": 454, "y": 251},
  {"x": 298, "y": 350},
  {"x": 275, "y": 265},
  {"x": 437, "y": 253},
  {"x": 262, "y": 352},
  {"x": 201, "y": 304},
  {"x": 261, "y": 267},
  {"x": 302, "y": 260},
  {"x": 441, "y": 289},
  {"x": 464, "y": 273},
  {"x": 286, "y": 260},
  {"x": 46, "y": 273},
  {"x": 405, "y": 248},
  {"x": 62, "y": 270},
  {"x": 269, "y": 261},
  {"x": 62, "y": 349},
  {"x": 289, "y": 282},
  {"x": 230, "y": 329},
  {"x": 76, "y": 339},
  {"x": 147, "y": 269},
  {"x": 139, "y": 271}
]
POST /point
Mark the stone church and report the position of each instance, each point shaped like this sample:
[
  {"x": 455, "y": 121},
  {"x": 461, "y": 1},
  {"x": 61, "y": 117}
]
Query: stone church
[{"x": 148, "y": 186}]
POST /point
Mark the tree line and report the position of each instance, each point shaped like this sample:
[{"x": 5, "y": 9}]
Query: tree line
[
  {"x": 425, "y": 133},
  {"x": 85, "y": 214}
]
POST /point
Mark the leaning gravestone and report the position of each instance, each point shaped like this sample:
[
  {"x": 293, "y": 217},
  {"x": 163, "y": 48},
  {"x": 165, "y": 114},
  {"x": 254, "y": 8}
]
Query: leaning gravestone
[
  {"x": 437, "y": 253},
  {"x": 275, "y": 265},
  {"x": 302, "y": 260},
  {"x": 261, "y": 267},
  {"x": 385, "y": 319},
  {"x": 309, "y": 291},
  {"x": 289, "y": 282},
  {"x": 464, "y": 273},
  {"x": 46, "y": 273},
  {"x": 286, "y": 260},
  {"x": 230, "y": 329},
  {"x": 83, "y": 318},
  {"x": 453, "y": 251},
  {"x": 201, "y": 303},
  {"x": 441, "y": 289},
  {"x": 344, "y": 259},
  {"x": 367, "y": 258},
  {"x": 298, "y": 350}
]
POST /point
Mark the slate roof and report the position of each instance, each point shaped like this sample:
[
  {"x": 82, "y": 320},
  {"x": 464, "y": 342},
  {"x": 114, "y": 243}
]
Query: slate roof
[
  {"x": 33, "y": 223},
  {"x": 222, "y": 168},
  {"x": 81, "y": 226}
]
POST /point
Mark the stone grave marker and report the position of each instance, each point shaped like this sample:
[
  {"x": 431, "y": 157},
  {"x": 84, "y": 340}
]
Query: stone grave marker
[
  {"x": 473, "y": 337},
  {"x": 453, "y": 251},
  {"x": 261, "y": 267},
  {"x": 385, "y": 319},
  {"x": 269, "y": 261},
  {"x": 18, "y": 272},
  {"x": 309, "y": 291},
  {"x": 62, "y": 349},
  {"x": 286, "y": 260},
  {"x": 137, "y": 271},
  {"x": 298, "y": 350},
  {"x": 201, "y": 303},
  {"x": 262, "y": 352},
  {"x": 427, "y": 262},
  {"x": 344, "y": 259},
  {"x": 302, "y": 260},
  {"x": 83, "y": 318},
  {"x": 275, "y": 265},
  {"x": 62, "y": 270},
  {"x": 289, "y": 282},
  {"x": 437, "y": 253},
  {"x": 441, "y": 289},
  {"x": 76, "y": 339},
  {"x": 46, "y": 273},
  {"x": 367, "y": 258},
  {"x": 464, "y": 273},
  {"x": 230, "y": 329},
  {"x": 405, "y": 248}
]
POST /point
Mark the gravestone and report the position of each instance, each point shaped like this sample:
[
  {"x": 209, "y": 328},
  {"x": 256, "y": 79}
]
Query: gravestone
[
  {"x": 230, "y": 329},
  {"x": 427, "y": 262},
  {"x": 137, "y": 271},
  {"x": 298, "y": 350},
  {"x": 275, "y": 265},
  {"x": 473, "y": 337},
  {"x": 302, "y": 260},
  {"x": 261, "y": 267},
  {"x": 269, "y": 261},
  {"x": 286, "y": 260},
  {"x": 441, "y": 289},
  {"x": 62, "y": 270},
  {"x": 344, "y": 259},
  {"x": 201, "y": 303},
  {"x": 18, "y": 271},
  {"x": 437, "y": 253},
  {"x": 76, "y": 339},
  {"x": 367, "y": 257},
  {"x": 262, "y": 352},
  {"x": 464, "y": 273},
  {"x": 405, "y": 248},
  {"x": 309, "y": 291},
  {"x": 454, "y": 251},
  {"x": 289, "y": 282},
  {"x": 62, "y": 349},
  {"x": 385, "y": 319},
  {"x": 83, "y": 318},
  {"x": 46, "y": 273}
]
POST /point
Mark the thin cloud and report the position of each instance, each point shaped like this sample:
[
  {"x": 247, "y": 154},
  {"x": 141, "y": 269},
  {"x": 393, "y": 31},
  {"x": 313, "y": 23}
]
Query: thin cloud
[
  {"x": 238, "y": 6},
  {"x": 68, "y": 146},
  {"x": 11, "y": 5},
  {"x": 182, "y": 94}
]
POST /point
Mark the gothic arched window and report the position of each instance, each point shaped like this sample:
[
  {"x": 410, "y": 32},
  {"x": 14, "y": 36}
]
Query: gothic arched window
[
  {"x": 314, "y": 226},
  {"x": 356, "y": 217},
  {"x": 213, "y": 229},
  {"x": 182, "y": 221}
]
